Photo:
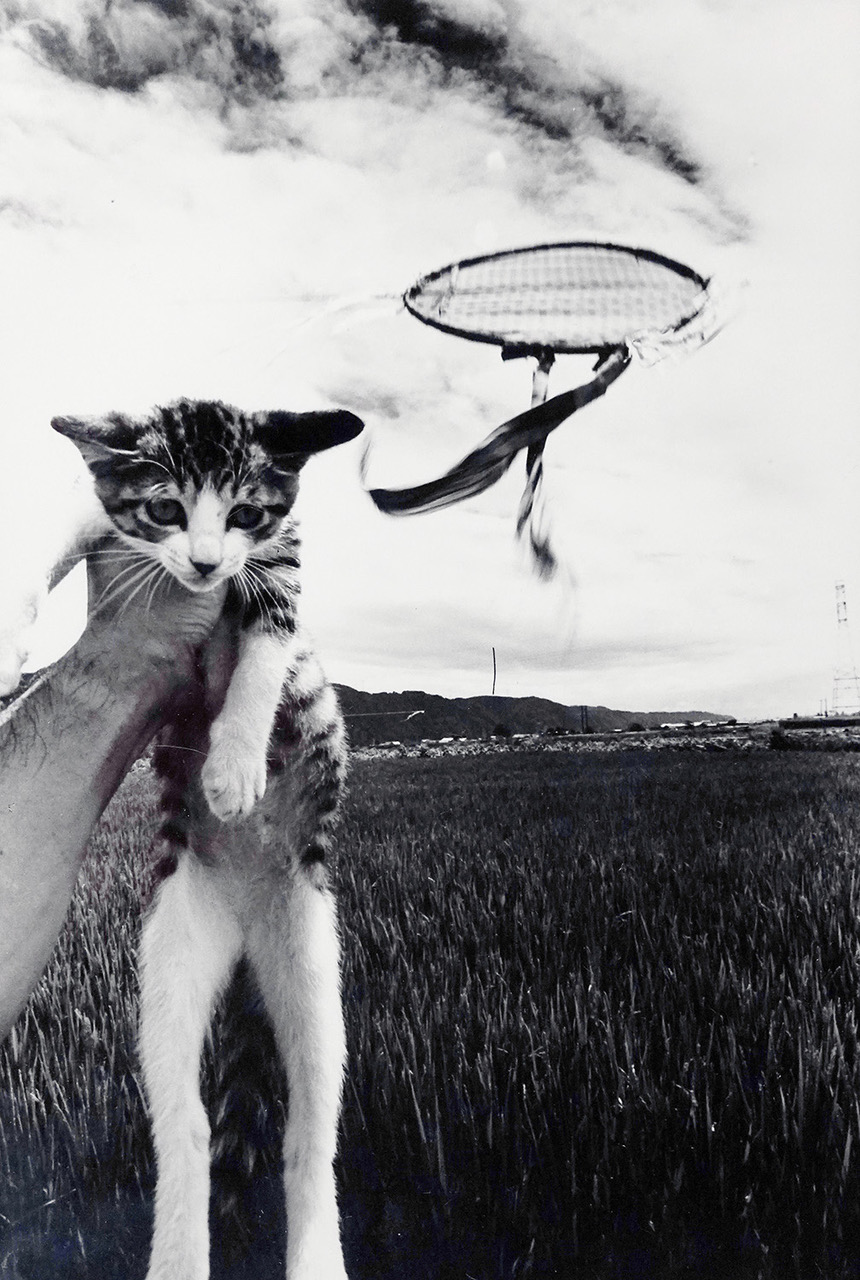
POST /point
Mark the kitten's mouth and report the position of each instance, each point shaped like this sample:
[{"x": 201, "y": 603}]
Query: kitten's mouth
[{"x": 200, "y": 586}]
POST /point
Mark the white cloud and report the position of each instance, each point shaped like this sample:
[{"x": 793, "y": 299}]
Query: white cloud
[
  {"x": 487, "y": 16},
  {"x": 194, "y": 237}
]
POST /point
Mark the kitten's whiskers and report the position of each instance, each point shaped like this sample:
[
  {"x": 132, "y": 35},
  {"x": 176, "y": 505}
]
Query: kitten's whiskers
[
  {"x": 126, "y": 578},
  {"x": 254, "y": 586},
  {"x": 150, "y": 575},
  {"x": 160, "y": 574},
  {"x": 153, "y": 462},
  {"x": 136, "y": 560}
]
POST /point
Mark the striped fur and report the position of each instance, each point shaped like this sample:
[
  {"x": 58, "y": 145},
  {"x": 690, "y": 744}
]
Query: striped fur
[{"x": 252, "y": 765}]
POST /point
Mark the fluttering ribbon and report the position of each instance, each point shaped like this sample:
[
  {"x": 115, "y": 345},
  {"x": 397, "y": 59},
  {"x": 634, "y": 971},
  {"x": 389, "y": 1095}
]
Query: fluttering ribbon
[{"x": 487, "y": 463}]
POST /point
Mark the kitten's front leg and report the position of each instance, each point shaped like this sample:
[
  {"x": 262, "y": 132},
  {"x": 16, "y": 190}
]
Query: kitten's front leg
[
  {"x": 67, "y": 520},
  {"x": 16, "y": 626},
  {"x": 234, "y": 774}
]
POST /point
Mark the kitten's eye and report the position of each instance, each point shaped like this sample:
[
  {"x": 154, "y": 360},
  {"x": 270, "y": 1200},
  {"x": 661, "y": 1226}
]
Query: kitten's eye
[
  {"x": 245, "y": 518},
  {"x": 165, "y": 511}
]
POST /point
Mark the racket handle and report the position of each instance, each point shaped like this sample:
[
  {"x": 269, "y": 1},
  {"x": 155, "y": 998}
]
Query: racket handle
[{"x": 540, "y": 377}]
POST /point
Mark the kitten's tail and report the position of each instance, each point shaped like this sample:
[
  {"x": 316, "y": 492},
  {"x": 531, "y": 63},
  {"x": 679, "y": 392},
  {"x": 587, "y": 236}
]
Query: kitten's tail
[{"x": 246, "y": 1086}]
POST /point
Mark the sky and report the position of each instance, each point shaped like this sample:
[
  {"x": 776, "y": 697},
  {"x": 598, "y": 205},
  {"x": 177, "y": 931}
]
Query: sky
[{"x": 229, "y": 204}]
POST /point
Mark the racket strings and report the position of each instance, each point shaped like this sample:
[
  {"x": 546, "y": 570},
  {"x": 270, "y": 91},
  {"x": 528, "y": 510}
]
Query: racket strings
[{"x": 573, "y": 297}]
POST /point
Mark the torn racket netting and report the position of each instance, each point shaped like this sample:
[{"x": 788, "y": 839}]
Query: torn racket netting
[{"x": 574, "y": 298}]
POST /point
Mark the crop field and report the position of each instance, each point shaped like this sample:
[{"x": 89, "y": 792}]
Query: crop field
[{"x": 602, "y": 1015}]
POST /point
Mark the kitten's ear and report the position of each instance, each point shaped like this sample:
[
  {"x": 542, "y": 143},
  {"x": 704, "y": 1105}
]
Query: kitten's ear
[
  {"x": 98, "y": 438},
  {"x": 293, "y": 437}
]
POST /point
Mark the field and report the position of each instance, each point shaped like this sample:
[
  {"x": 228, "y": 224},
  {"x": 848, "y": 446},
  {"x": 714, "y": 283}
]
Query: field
[{"x": 602, "y": 1014}]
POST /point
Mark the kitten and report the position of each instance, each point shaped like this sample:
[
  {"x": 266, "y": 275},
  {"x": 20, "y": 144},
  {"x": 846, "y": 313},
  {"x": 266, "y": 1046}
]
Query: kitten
[{"x": 203, "y": 492}]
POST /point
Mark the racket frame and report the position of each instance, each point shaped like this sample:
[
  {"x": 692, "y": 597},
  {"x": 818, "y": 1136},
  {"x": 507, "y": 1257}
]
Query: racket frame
[{"x": 514, "y": 348}]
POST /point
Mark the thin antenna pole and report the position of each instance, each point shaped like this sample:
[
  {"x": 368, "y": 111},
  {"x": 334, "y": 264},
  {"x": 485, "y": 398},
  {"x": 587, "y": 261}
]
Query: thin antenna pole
[{"x": 494, "y": 671}]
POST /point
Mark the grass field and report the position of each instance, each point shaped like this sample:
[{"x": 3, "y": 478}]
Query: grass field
[{"x": 602, "y": 1014}]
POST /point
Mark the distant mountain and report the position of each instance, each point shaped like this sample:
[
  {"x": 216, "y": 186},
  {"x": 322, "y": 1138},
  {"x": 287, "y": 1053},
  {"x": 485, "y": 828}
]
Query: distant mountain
[{"x": 386, "y": 717}]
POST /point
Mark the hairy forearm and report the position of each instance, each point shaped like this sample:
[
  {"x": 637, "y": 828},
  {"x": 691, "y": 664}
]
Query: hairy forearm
[{"x": 64, "y": 748}]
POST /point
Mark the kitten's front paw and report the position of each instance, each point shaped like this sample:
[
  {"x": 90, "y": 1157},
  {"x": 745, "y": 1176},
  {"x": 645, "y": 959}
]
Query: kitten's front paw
[
  {"x": 16, "y": 626},
  {"x": 233, "y": 778},
  {"x": 11, "y": 662}
]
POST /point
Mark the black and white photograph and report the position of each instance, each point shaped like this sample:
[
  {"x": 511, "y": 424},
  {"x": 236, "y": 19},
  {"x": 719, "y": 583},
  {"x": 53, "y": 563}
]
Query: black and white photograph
[{"x": 429, "y": 640}]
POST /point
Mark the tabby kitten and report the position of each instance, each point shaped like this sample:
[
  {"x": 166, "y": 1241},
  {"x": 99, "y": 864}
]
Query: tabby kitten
[{"x": 203, "y": 493}]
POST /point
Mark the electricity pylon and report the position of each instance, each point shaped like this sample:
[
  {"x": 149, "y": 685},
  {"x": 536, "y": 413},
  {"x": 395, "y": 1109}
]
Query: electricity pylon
[{"x": 846, "y": 682}]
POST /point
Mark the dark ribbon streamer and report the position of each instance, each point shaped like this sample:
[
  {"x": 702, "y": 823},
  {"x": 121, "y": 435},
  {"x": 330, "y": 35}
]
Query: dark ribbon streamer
[
  {"x": 528, "y": 516},
  {"x": 486, "y": 464}
]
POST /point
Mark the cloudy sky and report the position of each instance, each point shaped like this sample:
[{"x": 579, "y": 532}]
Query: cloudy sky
[{"x": 207, "y": 200}]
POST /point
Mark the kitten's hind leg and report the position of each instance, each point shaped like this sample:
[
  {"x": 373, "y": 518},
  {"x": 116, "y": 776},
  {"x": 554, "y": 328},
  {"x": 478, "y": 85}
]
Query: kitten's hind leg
[
  {"x": 295, "y": 953},
  {"x": 189, "y": 945}
]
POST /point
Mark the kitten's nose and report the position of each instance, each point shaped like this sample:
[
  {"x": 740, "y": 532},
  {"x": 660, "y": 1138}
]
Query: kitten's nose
[{"x": 204, "y": 567}]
